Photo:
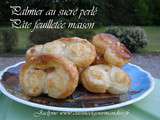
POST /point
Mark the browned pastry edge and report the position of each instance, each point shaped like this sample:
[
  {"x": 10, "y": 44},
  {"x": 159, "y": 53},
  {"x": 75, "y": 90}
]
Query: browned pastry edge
[
  {"x": 81, "y": 64},
  {"x": 45, "y": 61},
  {"x": 121, "y": 50},
  {"x": 117, "y": 55},
  {"x": 117, "y": 81},
  {"x": 89, "y": 84},
  {"x": 103, "y": 40},
  {"x": 107, "y": 44}
]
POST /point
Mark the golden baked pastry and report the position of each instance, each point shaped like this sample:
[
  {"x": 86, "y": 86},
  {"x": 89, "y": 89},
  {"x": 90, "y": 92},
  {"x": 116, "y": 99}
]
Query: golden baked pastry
[
  {"x": 52, "y": 68},
  {"x": 102, "y": 41},
  {"x": 96, "y": 78},
  {"x": 112, "y": 52},
  {"x": 117, "y": 55},
  {"x": 55, "y": 47},
  {"x": 120, "y": 81},
  {"x": 101, "y": 78},
  {"x": 34, "y": 52},
  {"x": 50, "y": 74},
  {"x": 81, "y": 52}
]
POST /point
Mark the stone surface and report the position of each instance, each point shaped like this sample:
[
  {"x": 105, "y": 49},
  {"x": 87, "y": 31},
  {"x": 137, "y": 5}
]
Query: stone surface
[{"x": 149, "y": 62}]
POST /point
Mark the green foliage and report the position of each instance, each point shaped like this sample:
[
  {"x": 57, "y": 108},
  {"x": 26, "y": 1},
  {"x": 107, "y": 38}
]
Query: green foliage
[
  {"x": 134, "y": 38},
  {"x": 41, "y": 36},
  {"x": 143, "y": 14},
  {"x": 8, "y": 40},
  {"x": 155, "y": 8},
  {"x": 85, "y": 34},
  {"x": 114, "y": 12}
]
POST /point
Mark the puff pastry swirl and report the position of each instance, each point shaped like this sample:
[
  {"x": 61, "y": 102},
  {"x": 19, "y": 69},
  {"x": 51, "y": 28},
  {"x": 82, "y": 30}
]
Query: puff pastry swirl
[
  {"x": 110, "y": 50},
  {"x": 102, "y": 78},
  {"x": 80, "y": 51},
  {"x": 53, "y": 75}
]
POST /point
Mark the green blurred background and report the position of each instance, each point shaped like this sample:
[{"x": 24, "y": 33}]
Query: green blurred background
[{"x": 124, "y": 14}]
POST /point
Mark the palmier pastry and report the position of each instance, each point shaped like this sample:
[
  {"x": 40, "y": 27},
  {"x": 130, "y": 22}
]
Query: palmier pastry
[
  {"x": 96, "y": 78},
  {"x": 34, "y": 52},
  {"x": 81, "y": 52},
  {"x": 55, "y": 47},
  {"x": 49, "y": 74},
  {"x": 111, "y": 50},
  {"x": 102, "y": 78},
  {"x": 102, "y": 41},
  {"x": 117, "y": 55},
  {"x": 120, "y": 81}
]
